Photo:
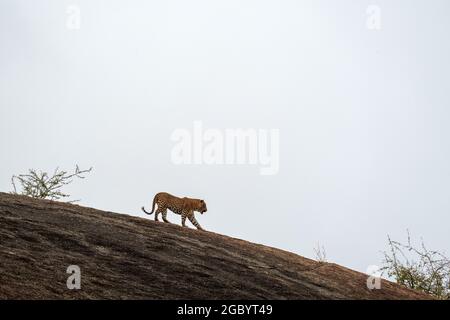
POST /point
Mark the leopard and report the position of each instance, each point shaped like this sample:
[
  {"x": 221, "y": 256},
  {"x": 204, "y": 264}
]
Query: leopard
[{"x": 181, "y": 206}]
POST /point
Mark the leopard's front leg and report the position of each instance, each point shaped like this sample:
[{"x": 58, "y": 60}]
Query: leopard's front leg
[
  {"x": 183, "y": 219},
  {"x": 194, "y": 221}
]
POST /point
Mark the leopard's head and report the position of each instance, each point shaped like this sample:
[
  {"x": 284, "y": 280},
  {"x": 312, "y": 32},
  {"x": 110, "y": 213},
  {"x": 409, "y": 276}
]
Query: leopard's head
[{"x": 202, "y": 207}]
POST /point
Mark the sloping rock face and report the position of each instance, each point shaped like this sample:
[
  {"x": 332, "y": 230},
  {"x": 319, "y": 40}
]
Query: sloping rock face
[{"x": 125, "y": 257}]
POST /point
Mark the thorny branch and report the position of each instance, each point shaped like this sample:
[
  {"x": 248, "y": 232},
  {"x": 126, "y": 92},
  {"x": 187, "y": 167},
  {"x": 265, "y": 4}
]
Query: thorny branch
[
  {"x": 39, "y": 184},
  {"x": 428, "y": 271}
]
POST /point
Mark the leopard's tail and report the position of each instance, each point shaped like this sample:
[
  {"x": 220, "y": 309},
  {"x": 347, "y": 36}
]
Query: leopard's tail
[{"x": 153, "y": 206}]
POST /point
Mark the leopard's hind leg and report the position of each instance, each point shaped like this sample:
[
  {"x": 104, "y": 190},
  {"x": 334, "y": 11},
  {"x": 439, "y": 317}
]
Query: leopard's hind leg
[
  {"x": 164, "y": 216},
  {"x": 158, "y": 211}
]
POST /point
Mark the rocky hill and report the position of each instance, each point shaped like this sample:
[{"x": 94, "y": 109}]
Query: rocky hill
[{"x": 125, "y": 257}]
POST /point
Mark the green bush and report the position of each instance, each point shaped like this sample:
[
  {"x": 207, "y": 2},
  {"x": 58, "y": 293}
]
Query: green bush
[
  {"x": 41, "y": 185},
  {"x": 418, "y": 268}
]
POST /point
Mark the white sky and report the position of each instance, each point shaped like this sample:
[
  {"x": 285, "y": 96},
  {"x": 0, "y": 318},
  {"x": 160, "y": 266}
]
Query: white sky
[{"x": 363, "y": 115}]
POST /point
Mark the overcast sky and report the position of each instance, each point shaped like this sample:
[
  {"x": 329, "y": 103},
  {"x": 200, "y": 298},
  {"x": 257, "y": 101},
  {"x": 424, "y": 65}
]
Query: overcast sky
[{"x": 362, "y": 112}]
